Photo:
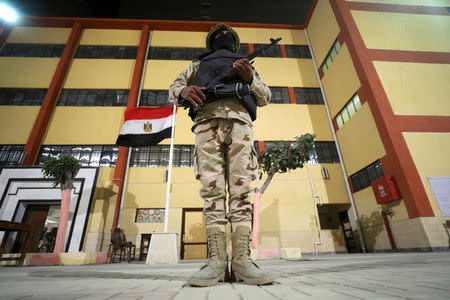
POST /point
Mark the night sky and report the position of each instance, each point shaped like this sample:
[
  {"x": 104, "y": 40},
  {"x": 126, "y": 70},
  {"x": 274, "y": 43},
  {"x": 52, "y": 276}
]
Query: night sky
[{"x": 257, "y": 11}]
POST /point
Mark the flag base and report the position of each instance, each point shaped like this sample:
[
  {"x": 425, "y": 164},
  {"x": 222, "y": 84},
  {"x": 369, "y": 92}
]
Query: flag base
[{"x": 164, "y": 248}]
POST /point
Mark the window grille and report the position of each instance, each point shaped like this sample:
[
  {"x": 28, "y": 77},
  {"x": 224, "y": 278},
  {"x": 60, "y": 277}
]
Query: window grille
[
  {"x": 348, "y": 111},
  {"x": 323, "y": 152},
  {"x": 158, "y": 156},
  {"x": 280, "y": 95},
  {"x": 362, "y": 179},
  {"x": 10, "y": 154},
  {"x": 32, "y": 50},
  {"x": 308, "y": 96},
  {"x": 274, "y": 51},
  {"x": 154, "y": 98},
  {"x": 13, "y": 96},
  {"x": 294, "y": 51},
  {"x": 91, "y": 97},
  {"x": 106, "y": 52},
  {"x": 87, "y": 155}
]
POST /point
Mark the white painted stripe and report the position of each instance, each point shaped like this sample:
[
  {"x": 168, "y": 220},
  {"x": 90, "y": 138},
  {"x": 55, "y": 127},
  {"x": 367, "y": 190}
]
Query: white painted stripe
[{"x": 137, "y": 126}]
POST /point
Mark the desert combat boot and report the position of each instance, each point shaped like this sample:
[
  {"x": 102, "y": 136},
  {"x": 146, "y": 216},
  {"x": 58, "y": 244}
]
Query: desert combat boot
[
  {"x": 242, "y": 267},
  {"x": 216, "y": 269}
]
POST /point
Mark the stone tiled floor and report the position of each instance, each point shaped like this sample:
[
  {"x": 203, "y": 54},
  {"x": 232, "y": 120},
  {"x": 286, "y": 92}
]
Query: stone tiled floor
[{"x": 350, "y": 276}]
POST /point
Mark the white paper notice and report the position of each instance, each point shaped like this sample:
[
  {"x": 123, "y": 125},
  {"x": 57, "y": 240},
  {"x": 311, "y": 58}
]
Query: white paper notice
[{"x": 441, "y": 190}]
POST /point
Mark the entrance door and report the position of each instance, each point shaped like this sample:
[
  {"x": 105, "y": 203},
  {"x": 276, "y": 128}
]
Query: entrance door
[
  {"x": 346, "y": 227},
  {"x": 36, "y": 216},
  {"x": 193, "y": 230}
]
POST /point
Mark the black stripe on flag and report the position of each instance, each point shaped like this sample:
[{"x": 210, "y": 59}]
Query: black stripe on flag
[{"x": 137, "y": 140}]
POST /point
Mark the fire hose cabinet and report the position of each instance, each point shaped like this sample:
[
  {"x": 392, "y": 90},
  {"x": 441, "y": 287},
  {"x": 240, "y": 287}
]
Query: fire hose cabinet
[{"x": 385, "y": 189}]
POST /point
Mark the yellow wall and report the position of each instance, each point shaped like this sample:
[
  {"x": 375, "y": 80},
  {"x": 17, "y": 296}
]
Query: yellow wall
[
  {"x": 110, "y": 37},
  {"x": 193, "y": 39},
  {"x": 84, "y": 125},
  {"x": 159, "y": 74},
  {"x": 340, "y": 82},
  {"x": 408, "y": 2},
  {"x": 39, "y": 35},
  {"x": 100, "y": 74},
  {"x": 294, "y": 119},
  {"x": 416, "y": 88},
  {"x": 430, "y": 153},
  {"x": 322, "y": 30},
  {"x": 398, "y": 31},
  {"x": 16, "y": 123},
  {"x": 27, "y": 72},
  {"x": 360, "y": 141}
]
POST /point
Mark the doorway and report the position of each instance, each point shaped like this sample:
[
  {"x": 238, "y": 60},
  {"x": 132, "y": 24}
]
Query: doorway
[
  {"x": 350, "y": 241},
  {"x": 193, "y": 234}
]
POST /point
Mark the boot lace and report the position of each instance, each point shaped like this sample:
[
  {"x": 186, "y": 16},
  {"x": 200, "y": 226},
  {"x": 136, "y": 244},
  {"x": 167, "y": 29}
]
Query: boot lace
[
  {"x": 213, "y": 247},
  {"x": 244, "y": 243}
]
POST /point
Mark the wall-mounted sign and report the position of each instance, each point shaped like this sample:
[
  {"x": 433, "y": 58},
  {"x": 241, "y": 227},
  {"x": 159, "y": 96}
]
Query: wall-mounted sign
[
  {"x": 150, "y": 215},
  {"x": 385, "y": 189}
]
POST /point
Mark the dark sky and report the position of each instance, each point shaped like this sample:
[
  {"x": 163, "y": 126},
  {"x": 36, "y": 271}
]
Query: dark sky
[{"x": 257, "y": 11}]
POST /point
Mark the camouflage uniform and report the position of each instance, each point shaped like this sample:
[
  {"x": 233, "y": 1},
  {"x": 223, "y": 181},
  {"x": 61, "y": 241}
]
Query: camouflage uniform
[{"x": 224, "y": 152}]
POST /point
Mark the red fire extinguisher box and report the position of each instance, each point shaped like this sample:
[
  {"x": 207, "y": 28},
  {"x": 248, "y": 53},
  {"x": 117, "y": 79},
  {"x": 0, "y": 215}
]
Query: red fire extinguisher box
[{"x": 385, "y": 189}]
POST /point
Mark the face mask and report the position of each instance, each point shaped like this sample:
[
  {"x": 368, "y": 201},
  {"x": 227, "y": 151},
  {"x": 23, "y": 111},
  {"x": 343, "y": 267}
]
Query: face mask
[{"x": 225, "y": 41}]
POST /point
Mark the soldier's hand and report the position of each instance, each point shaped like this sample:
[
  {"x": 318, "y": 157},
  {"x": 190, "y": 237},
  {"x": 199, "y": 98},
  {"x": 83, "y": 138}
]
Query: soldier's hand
[
  {"x": 194, "y": 95},
  {"x": 244, "y": 68}
]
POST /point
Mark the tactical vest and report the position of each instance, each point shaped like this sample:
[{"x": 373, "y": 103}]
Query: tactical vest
[{"x": 210, "y": 67}]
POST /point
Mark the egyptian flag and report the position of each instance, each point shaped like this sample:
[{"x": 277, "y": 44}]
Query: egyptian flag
[{"x": 145, "y": 126}]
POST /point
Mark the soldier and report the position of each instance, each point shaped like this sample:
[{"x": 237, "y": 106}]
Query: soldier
[{"x": 224, "y": 155}]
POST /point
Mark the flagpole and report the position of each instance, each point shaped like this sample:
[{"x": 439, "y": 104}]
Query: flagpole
[{"x": 169, "y": 175}]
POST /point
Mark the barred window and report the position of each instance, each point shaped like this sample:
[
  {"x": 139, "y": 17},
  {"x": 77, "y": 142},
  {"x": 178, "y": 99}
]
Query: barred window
[
  {"x": 362, "y": 179},
  {"x": 279, "y": 95},
  {"x": 32, "y": 50},
  {"x": 10, "y": 154},
  {"x": 273, "y": 51},
  {"x": 87, "y": 155},
  {"x": 169, "y": 53},
  {"x": 158, "y": 156},
  {"x": 78, "y": 97},
  {"x": 294, "y": 51},
  {"x": 323, "y": 152},
  {"x": 154, "y": 98},
  {"x": 22, "y": 96},
  {"x": 308, "y": 96},
  {"x": 107, "y": 52},
  {"x": 243, "y": 50}
]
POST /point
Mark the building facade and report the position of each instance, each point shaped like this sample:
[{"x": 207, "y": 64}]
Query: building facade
[{"x": 368, "y": 78}]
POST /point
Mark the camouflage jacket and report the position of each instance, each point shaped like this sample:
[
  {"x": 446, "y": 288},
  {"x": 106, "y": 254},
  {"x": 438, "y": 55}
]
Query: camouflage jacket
[{"x": 226, "y": 108}]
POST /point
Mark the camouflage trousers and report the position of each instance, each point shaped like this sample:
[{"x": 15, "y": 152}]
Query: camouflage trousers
[{"x": 225, "y": 160}]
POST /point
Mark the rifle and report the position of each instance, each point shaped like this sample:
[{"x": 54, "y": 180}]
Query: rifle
[{"x": 228, "y": 73}]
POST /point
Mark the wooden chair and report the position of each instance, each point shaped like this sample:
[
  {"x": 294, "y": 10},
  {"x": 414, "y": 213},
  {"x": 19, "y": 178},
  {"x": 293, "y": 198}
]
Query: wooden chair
[
  {"x": 119, "y": 245},
  {"x": 116, "y": 246},
  {"x": 129, "y": 246}
]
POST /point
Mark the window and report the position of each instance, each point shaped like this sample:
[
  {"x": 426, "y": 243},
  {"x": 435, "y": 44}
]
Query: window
[
  {"x": 22, "y": 96},
  {"x": 308, "y": 96},
  {"x": 10, "y": 154},
  {"x": 168, "y": 53},
  {"x": 158, "y": 156},
  {"x": 32, "y": 50},
  {"x": 87, "y": 155},
  {"x": 348, "y": 111},
  {"x": 294, "y": 51},
  {"x": 331, "y": 56},
  {"x": 107, "y": 52},
  {"x": 274, "y": 51},
  {"x": 363, "y": 178},
  {"x": 279, "y": 95},
  {"x": 77, "y": 97},
  {"x": 323, "y": 152},
  {"x": 154, "y": 98}
]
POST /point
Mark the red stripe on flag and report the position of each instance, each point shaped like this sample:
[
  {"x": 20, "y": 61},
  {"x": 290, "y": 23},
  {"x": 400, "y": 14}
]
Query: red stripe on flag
[{"x": 148, "y": 113}]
